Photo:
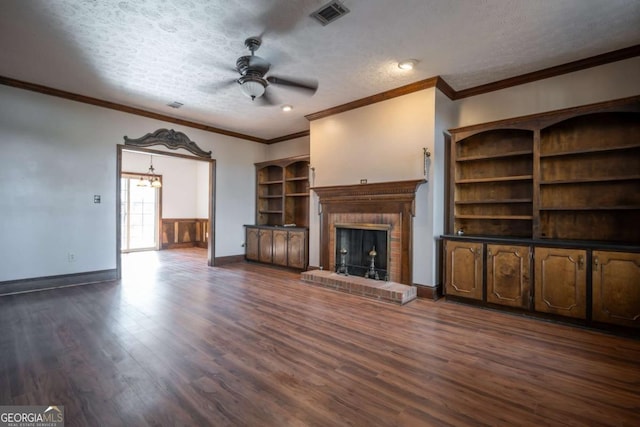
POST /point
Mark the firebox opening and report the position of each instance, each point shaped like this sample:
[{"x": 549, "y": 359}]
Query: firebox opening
[{"x": 355, "y": 245}]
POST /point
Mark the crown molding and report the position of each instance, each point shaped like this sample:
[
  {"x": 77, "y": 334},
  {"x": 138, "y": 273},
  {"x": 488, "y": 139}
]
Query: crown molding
[
  {"x": 288, "y": 137},
  {"x": 570, "y": 67},
  {"x": 122, "y": 108},
  {"x": 383, "y": 96},
  {"x": 437, "y": 82}
]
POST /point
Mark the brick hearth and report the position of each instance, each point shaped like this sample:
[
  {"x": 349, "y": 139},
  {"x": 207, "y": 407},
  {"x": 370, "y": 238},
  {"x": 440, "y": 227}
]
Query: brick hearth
[{"x": 376, "y": 289}]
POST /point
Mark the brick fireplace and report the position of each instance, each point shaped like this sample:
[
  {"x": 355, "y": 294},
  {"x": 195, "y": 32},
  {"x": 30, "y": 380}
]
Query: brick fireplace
[{"x": 389, "y": 203}]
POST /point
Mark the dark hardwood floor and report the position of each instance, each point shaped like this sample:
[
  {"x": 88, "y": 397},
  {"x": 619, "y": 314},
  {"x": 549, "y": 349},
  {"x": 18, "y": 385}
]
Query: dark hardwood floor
[{"x": 179, "y": 343}]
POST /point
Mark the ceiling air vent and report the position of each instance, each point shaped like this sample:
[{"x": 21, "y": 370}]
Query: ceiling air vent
[
  {"x": 175, "y": 104},
  {"x": 330, "y": 12}
]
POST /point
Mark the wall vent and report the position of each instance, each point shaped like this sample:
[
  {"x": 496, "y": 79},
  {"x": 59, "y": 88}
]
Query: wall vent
[
  {"x": 175, "y": 104},
  {"x": 330, "y": 12}
]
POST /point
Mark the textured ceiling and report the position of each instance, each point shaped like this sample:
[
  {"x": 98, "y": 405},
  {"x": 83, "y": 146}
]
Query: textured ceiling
[{"x": 148, "y": 53}]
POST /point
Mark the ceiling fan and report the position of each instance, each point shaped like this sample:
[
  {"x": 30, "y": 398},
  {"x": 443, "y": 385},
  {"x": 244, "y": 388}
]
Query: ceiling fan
[{"x": 253, "y": 69}]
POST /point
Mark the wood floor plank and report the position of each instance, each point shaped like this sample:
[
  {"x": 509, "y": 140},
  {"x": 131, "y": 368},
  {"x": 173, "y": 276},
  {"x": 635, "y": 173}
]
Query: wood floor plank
[{"x": 176, "y": 342}]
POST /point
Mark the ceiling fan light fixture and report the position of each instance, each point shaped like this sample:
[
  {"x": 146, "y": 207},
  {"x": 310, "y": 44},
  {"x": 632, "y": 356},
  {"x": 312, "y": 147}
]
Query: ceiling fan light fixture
[
  {"x": 407, "y": 64},
  {"x": 287, "y": 108},
  {"x": 253, "y": 88}
]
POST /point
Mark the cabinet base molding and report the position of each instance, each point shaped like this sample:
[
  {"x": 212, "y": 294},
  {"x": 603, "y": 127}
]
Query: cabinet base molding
[
  {"x": 432, "y": 292},
  {"x": 52, "y": 282}
]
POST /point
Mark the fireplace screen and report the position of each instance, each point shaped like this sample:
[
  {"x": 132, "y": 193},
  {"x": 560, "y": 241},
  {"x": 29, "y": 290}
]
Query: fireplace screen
[{"x": 363, "y": 250}]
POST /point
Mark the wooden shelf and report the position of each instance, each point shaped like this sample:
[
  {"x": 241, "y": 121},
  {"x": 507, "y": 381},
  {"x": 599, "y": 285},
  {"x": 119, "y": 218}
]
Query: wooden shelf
[
  {"x": 297, "y": 194},
  {"x": 271, "y": 196},
  {"x": 298, "y": 178},
  {"x": 593, "y": 150},
  {"x": 270, "y": 212},
  {"x": 591, "y": 179},
  {"x": 495, "y": 179},
  {"x": 495, "y": 156},
  {"x": 591, "y": 208},
  {"x": 271, "y": 182},
  {"x": 497, "y": 201},
  {"x": 490, "y": 217}
]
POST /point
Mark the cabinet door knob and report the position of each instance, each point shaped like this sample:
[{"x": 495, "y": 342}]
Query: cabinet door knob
[
  {"x": 489, "y": 253},
  {"x": 595, "y": 263},
  {"x": 580, "y": 262}
]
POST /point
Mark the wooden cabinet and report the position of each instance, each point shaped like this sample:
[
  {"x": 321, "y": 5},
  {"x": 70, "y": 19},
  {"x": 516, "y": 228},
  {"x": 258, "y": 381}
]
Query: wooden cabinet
[
  {"x": 616, "y": 287},
  {"x": 282, "y": 192},
  {"x": 281, "y": 246},
  {"x": 259, "y": 244},
  {"x": 561, "y": 281},
  {"x": 463, "y": 264},
  {"x": 297, "y": 252},
  {"x": 509, "y": 275},
  {"x": 252, "y": 243},
  {"x": 266, "y": 245}
]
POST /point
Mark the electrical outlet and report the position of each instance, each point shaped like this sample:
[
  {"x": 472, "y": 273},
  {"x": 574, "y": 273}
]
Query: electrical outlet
[
  {"x": 71, "y": 257},
  {"x": 242, "y": 244}
]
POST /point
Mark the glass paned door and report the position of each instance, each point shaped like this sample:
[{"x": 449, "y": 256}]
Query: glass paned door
[{"x": 139, "y": 215}]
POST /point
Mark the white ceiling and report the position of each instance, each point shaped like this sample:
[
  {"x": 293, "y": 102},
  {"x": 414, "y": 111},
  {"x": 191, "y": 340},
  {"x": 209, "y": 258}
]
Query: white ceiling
[{"x": 148, "y": 53}]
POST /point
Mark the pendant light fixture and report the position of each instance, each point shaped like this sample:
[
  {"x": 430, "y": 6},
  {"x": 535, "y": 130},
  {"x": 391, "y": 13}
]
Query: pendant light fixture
[{"x": 151, "y": 180}]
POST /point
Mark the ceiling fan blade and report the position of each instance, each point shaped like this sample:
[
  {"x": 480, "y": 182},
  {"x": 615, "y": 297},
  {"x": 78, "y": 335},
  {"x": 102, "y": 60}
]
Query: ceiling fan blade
[
  {"x": 216, "y": 86},
  {"x": 307, "y": 84}
]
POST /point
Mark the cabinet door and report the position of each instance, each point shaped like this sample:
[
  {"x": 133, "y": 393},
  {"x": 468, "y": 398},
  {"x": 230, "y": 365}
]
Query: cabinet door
[
  {"x": 298, "y": 249},
  {"x": 280, "y": 239},
  {"x": 266, "y": 242},
  {"x": 252, "y": 244},
  {"x": 463, "y": 269},
  {"x": 509, "y": 275},
  {"x": 616, "y": 288},
  {"x": 561, "y": 281}
]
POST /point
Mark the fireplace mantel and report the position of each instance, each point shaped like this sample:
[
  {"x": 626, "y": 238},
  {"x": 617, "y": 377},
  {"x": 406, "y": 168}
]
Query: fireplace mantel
[
  {"x": 399, "y": 191},
  {"x": 397, "y": 197}
]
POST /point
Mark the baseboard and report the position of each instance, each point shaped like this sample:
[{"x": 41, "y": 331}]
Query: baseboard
[
  {"x": 313, "y": 267},
  {"x": 218, "y": 261},
  {"x": 51, "y": 282},
  {"x": 432, "y": 292}
]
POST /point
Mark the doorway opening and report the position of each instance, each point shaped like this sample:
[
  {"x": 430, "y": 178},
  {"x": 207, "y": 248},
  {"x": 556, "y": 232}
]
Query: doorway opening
[
  {"x": 139, "y": 215},
  {"x": 209, "y": 180}
]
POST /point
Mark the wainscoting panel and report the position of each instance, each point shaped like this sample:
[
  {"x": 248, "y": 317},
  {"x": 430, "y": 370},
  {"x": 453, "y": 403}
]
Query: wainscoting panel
[{"x": 184, "y": 232}]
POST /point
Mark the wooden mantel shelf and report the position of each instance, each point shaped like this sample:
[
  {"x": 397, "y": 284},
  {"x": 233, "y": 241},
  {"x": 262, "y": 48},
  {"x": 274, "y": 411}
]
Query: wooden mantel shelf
[{"x": 388, "y": 191}]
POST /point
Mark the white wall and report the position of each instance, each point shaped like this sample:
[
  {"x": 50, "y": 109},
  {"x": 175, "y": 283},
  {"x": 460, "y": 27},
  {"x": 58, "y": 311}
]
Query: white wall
[
  {"x": 380, "y": 142},
  {"x": 603, "y": 83},
  {"x": 183, "y": 195},
  {"x": 56, "y": 154},
  {"x": 290, "y": 148}
]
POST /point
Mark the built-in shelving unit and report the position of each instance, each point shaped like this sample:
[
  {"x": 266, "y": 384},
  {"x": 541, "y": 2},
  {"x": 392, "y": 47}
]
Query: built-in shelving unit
[
  {"x": 280, "y": 234},
  {"x": 492, "y": 175},
  {"x": 544, "y": 213},
  {"x": 570, "y": 175},
  {"x": 283, "y": 192}
]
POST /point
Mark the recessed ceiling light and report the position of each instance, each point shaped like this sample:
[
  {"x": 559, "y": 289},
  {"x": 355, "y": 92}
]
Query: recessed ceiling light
[
  {"x": 407, "y": 64},
  {"x": 287, "y": 108}
]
